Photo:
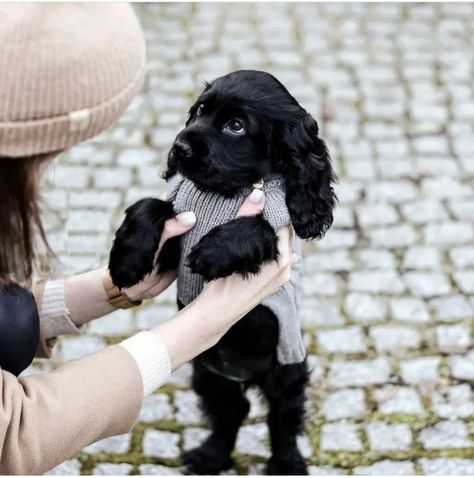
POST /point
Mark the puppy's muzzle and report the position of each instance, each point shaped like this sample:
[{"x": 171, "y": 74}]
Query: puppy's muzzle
[{"x": 182, "y": 149}]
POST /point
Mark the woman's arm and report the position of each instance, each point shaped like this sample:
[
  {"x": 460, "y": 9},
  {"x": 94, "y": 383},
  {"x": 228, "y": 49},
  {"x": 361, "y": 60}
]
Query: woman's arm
[{"x": 100, "y": 395}]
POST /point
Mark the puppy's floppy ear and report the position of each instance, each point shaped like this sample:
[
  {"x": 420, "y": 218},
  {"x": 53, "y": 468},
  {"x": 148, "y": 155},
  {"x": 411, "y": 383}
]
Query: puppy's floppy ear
[{"x": 309, "y": 194}]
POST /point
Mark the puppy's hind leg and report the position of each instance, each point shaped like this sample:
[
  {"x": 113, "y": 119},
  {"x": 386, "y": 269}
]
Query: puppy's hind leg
[
  {"x": 136, "y": 243},
  {"x": 226, "y": 407},
  {"x": 284, "y": 389}
]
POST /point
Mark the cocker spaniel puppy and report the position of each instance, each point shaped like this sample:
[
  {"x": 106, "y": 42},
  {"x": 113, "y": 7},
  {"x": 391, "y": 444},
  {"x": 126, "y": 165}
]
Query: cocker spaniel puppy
[{"x": 245, "y": 128}]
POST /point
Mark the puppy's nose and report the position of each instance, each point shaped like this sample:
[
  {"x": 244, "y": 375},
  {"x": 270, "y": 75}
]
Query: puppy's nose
[{"x": 183, "y": 148}]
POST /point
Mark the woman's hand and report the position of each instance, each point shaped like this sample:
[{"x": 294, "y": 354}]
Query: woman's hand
[{"x": 155, "y": 283}]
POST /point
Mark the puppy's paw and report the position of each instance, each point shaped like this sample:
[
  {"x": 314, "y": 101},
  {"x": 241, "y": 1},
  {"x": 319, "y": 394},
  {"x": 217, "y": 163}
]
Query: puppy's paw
[
  {"x": 241, "y": 245},
  {"x": 290, "y": 463},
  {"x": 206, "y": 460},
  {"x": 136, "y": 241}
]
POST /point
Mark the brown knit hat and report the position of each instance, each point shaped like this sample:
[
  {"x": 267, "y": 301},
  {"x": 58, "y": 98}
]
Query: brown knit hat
[{"x": 67, "y": 72}]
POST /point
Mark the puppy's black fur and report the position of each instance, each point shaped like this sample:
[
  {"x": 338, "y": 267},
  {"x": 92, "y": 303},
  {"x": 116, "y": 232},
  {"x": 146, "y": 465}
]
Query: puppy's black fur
[{"x": 243, "y": 126}]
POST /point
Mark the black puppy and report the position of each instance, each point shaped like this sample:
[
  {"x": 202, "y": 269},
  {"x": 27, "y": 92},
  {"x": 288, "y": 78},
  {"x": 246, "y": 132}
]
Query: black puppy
[{"x": 244, "y": 127}]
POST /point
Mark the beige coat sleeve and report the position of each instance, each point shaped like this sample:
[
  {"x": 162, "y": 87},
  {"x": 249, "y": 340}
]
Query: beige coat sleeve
[{"x": 47, "y": 418}]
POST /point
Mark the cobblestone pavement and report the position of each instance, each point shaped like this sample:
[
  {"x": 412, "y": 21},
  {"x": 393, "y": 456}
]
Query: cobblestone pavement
[{"x": 389, "y": 292}]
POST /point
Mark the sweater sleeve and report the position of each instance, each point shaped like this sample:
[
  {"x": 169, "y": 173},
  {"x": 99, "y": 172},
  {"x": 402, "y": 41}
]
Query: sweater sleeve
[{"x": 47, "y": 418}]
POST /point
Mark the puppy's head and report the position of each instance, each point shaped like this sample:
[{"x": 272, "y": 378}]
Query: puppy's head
[{"x": 245, "y": 125}]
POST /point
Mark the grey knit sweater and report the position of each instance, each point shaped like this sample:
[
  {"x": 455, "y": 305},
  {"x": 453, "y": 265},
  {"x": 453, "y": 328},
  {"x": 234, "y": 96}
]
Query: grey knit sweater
[{"x": 211, "y": 210}]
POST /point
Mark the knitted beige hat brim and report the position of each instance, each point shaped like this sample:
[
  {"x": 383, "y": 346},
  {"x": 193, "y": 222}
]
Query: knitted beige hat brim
[{"x": 67, "y": 72}]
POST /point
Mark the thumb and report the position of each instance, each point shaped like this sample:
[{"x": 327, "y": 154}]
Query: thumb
[
  {"x": 253, "y": 205},
  {"x": 178, "y": 225}
]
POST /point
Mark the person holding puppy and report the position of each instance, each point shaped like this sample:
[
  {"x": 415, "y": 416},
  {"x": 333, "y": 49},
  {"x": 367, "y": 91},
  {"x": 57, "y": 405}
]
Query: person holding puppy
[{"x": 67, "y": 72}]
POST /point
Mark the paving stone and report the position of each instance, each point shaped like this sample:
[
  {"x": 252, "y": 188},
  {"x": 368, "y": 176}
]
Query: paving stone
[
  {"x": 358, "y": 373},
  {"x": 376, "y": 259},
  {"x": 453, "y": 337},
  {"x": 346, "y": 403},
  {"x": 397, "y": 399},
  {"x": 156, "y": 407},
  {"x": 452, "y": 308},
  {"x": 447, "y": 466},
  {"x": 422, "y": 258},
  {"x": 70, "y": 468},
  {"x": 384, "y": 437},
  {"x": 365, "y": 308},
  {"x": 341, "y": 436},
  {"x": 158, "y": 470},
  {"x": 445, "y": 435},
  {"x": 114, "y": 469},
  {"x": 258, "y": 408},
  {"x": 194, "y": 437},
  {"x": 389, "y": 338},
  {"x": 424, "y": 211},
  {"x": 116, "y": 323},
  {"x": 453, "y": 402},
  {"x": 386, "y": 467},
  {"x": 325, "y": 470},
  {"x": 161, "y": 444},
  {"x": 462, "y": 257},
  {"x": 74, "y": 348},
  {"x": 328, "y": 261},
  {"x": 115, "y": 444},
  {"x": 345, "y": 340},
  {"x": 325, "y": 312},
  {"x": 447, "y": 234},
  {"x": 370, "y": 215},
  {"x": 253, "y": 440},
  {"x": 376, "y": 282},
  {"x": 462, "y": 367},
  {"x": 392, "y": 236},
  {"x": 409, "y": 309},
  {"x": 420, "y": 370},
  {"x": 187, "y": 407},
  {"x": 465, "y": 281},
  {"x": 424, "y": 284}
]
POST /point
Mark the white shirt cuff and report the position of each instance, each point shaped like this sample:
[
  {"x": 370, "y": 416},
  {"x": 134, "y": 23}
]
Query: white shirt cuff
[{"x": 152, "y": 359}]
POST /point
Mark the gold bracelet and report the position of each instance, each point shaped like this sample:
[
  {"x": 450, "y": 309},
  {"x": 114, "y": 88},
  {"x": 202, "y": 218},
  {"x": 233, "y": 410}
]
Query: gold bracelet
[{"x": 116, "y": 297}]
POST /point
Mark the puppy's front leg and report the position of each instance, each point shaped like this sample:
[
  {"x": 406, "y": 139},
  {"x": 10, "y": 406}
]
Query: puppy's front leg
[
  {"x": 241, "y": 245},
  {"x": 136, "y": 242}
]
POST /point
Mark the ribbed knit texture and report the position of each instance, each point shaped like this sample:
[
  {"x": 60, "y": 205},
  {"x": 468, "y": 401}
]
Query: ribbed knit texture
[
  {"x": 67, "y": 72},
  {"x": 152, "y": 359},
  {"x": 54, "y": 316},
  {"x": 211, "y": 210}
]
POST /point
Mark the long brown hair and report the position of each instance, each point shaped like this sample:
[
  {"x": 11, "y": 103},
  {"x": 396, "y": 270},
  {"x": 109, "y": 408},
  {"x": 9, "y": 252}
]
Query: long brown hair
[{"x": 20, "y": 216}]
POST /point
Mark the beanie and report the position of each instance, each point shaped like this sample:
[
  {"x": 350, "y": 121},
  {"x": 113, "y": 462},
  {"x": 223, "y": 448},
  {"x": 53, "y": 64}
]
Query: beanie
[{"x": 67, "y": 72}]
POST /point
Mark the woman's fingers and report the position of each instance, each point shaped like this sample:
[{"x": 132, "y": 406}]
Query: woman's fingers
[
  {"x": 177, "y": 226},
  {"x": 253, "y": 205}
]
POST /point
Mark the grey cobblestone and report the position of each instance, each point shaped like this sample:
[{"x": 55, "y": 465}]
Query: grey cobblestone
[
  {"x": 386, "y": 467},
  {"x": 340, "y": 436},
  {"x": 389, "y": 338},
  {"x": 347, "y": 403},
  {"x": 392, "y": 282},
  {"x": 447, "y": 466},
  {"x": 384, "y": 437},
  {"x": 396, "y": 399},
  {"x": 345, "y": 340},
  {"x": 454, "y": 402},
  {"x": 420, "y": 370},
  {"x": 161, "y": 444},
  {"x": 447, "y": 434},
  {"x": 112, "y": 469}
]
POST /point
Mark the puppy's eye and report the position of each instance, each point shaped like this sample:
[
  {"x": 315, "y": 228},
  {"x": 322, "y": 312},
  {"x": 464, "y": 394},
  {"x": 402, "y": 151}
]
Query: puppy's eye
[
  {"x": 235, "y": 126},
  {"x": 199, "y": 110}
]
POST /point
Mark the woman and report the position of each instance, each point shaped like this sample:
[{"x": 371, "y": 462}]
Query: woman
[{"x": 66, "y": 73}]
